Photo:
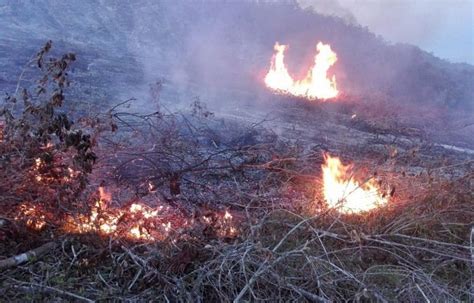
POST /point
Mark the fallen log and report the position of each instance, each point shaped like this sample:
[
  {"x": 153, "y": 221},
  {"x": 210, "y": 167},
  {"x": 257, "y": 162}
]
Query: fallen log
[{"x": 27, "y": 256}]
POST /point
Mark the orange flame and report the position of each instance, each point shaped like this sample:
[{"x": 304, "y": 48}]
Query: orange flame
[
  {"x": 136, "y": 222},
  {"x": 107, "y": 220},
  {"x": 316, "y": 84},
  {"x": 35, "y": 218},
  {"x": 341, "y": 191},
  {"x": 104, "y": 196}
]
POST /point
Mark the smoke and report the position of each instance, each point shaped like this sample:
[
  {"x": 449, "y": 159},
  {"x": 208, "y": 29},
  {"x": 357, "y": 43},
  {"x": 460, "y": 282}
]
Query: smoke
[
  {"x": 197, "y": 49},
  {"x": 331, "y": 8},
  {"x": 221, "y": 50},
  {"x": 444, "y": 27}
]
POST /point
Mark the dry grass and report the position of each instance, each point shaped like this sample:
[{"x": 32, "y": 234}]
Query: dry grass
[
  {"x": 416, "y": 252},
  {"x": 288, "y": 246}
]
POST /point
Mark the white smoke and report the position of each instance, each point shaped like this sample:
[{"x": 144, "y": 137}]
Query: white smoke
[{"x": 444, "y": 27}]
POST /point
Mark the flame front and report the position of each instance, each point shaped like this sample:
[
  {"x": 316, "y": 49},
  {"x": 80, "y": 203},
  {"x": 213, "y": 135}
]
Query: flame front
[
  {"x": 136, "y": 221},
  {"x": 316, "y": 84},
  {"x": 341, "y": 191},
  {"x": 105, "y": 220}
]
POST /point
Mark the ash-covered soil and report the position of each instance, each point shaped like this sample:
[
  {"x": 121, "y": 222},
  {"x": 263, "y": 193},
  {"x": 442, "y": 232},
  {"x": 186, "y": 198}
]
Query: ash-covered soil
[{"x": 360, "y": 131}]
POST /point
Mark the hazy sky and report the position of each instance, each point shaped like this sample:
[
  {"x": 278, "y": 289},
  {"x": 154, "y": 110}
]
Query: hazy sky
[{"x": 443, "y": 27}]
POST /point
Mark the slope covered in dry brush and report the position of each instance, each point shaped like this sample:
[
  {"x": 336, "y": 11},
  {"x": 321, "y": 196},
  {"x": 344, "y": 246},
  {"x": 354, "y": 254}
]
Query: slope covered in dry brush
[{"x": 196, "y": 206}]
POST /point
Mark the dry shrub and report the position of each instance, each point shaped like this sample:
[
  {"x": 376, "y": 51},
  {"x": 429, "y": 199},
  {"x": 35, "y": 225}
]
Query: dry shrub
[
  {"x": 45, "y": 158},
  {"x": 415, "y": 252}
]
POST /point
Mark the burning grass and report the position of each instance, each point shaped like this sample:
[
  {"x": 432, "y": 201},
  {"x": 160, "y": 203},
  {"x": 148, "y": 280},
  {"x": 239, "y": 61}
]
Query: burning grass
[
  {"x": 414, "y": 253},
  {"x": 341, "y": 191},
  {"x": 316, "y": 84},
  {"x": 273, "y": 244},
  {"x": 187, "y": 207}
]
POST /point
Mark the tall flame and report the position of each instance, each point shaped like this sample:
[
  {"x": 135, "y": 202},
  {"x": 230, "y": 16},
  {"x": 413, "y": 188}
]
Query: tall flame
[
  {"x": 316, "y": 84},
  {"x": 341, "y": 191}
]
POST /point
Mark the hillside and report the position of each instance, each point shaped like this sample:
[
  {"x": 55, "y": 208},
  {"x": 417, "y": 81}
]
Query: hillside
[
  {"x": 225, "y": 45},
  {"x": 143, "y": 158}
]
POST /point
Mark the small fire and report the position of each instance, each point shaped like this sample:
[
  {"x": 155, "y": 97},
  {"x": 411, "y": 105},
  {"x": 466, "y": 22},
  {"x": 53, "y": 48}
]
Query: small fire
[
  {"x": 226, "y": 225},
  {"x": 134, "y": 221},
  {"x": 140, "y": 233},
  {"x": 227, "y": 215},
  {"x": 341, "y": 191},
  {"x": 33, "y": 216},
  {"x": 50, "y": 174},
  {"x": 110, "y": 221},
  {"x": 38, "y": 163},
  {"x": 146, "y": 212},
  {"x": 316, "y": 84},
  {"x": 104, "y": 196},
  {"x": 37, "y": 167},
  {"x": 167, "y": 226}
]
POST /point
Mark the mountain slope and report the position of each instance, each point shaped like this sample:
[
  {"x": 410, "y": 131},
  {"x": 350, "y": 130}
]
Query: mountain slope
[{"x": 217, "y": 46}]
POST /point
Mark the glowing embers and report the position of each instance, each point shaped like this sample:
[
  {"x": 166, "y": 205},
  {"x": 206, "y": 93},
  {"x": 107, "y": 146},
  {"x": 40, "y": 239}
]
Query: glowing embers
[
  {"x": 51, "y": 170},
  {"x": 222, "y": 223},
  {"x": 316, "y": 84},
  {"x": 32, "y": 215},
  {"x": 134, "y": 221},
  {"x": 344, "y": 193},
  {"x": 137, "y": 221}
]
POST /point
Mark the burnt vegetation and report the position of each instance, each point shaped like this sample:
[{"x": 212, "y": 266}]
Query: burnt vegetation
[
  {"x": 38, "y": 137},
  {"x": 239, "y": 211}
]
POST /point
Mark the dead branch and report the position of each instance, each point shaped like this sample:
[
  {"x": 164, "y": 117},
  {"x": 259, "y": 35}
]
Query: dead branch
[
  {"x": 33, "y": 287},
  {"x": 27, "y": 256}
]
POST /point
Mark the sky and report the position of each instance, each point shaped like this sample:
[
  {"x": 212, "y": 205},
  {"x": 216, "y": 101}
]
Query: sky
[{"x": 442, "y": 27}]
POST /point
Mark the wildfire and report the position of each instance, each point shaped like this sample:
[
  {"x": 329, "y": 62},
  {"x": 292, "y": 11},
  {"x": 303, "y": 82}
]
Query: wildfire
[
  {"x": 136, "y": 221},
  {"x": 32, "y": 215},
  {"x": 316, "y": 84},
  {"x": 341, "y": 191},
  {"x": 45, "y": 174}
]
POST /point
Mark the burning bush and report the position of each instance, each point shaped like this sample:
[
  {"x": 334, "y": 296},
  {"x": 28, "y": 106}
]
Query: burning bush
[
  {"x": 45, "y": 159},
  {"x": 47, "y": 163}
]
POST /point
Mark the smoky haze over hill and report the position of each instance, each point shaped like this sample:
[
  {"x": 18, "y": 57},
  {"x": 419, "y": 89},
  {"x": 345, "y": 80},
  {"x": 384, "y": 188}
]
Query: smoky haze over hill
[
  {"x": 218, "y": 49},
  {"x": 443, "y": 27}
]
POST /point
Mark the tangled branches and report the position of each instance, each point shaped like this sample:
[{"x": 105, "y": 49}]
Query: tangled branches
[
  {"x": 44, "y": 160},
  {"x": 416, "y": 254},
  {"x": 203, "y": 172}
]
